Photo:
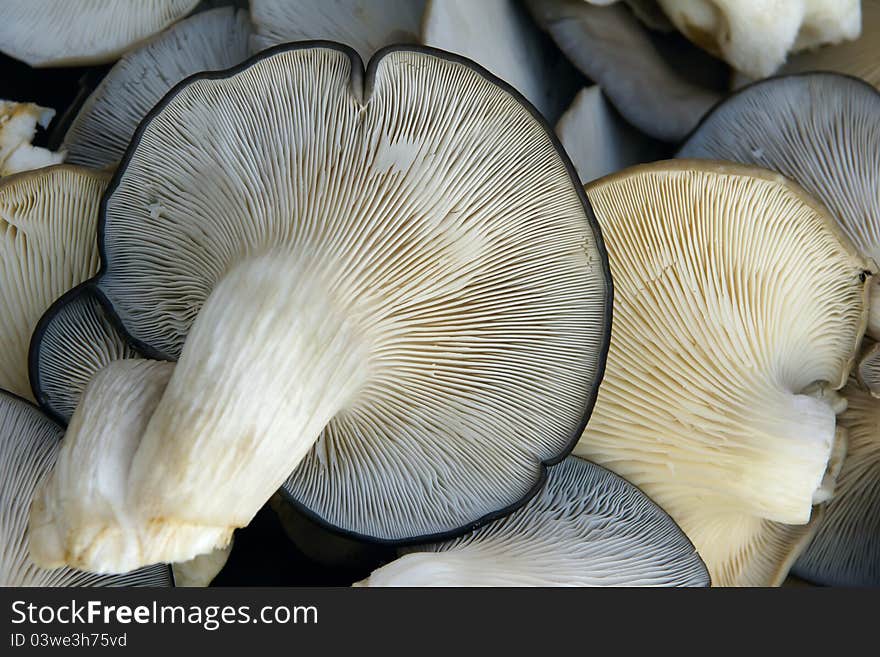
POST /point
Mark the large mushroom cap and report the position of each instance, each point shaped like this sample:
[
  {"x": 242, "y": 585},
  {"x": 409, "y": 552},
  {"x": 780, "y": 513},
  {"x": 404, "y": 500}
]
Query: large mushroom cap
[
  {"x": 846, "y": 548},
  {"x": 738, "y": 305},
  {"x": 29, "y": 443},
  {"x": 422, "y": 295},
  {"x": 822, "y": 130},
  {"x": 48, "y": 220},
  {"x": 72, "y": 342},
  {"x": 207, "y": 41},
  {"x": 365, "y": 25},
  {"x": 77, "y": 32},
  {"x": 587, "y": 527}
]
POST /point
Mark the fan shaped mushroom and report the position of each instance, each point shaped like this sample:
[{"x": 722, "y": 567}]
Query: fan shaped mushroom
[
  {"x": 755, "y": 36},
  {"x": 29, "y": 444},
  {"x": 77, "y": 32},
  {"x": 822, "y": 130},
  {"x": 587, "y": 527},
  {"x": 48, "y": 222},
  {"x": 18, "y": 124},
  {"x": 738, "y": 308},
  {"x": 611, "y": 47},
  {"x": 365, "y": 25},
  {"x": 598, "y": 140},
  {"x": 514, "y": 48},
  {"x": 210, "y": 40},
  {"x": 422, "y": 300},
  {"x": 846, "y": 548}
]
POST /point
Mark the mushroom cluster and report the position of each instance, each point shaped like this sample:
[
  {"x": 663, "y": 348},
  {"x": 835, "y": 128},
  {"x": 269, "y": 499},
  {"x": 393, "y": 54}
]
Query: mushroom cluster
[{"x": 439, "y": 293}]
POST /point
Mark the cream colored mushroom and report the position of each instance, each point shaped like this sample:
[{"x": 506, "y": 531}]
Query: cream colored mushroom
[
  {"x": 860, "y": 58},
  {"x": 48, "y": 224},
  {"x": 755, "y": 36},
  {"x": 822, "y": 130},
  {"x": 80, "y": 32},
  {"x": 738, "y": 308}
]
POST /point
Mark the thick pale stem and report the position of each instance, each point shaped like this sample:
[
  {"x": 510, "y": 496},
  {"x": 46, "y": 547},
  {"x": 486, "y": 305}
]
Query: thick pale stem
[
  {"x": 83, "y": 514},
  {"x": 271, "y": 358}
]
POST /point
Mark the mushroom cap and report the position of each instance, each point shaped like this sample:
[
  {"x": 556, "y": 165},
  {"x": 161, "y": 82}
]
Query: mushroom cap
[
  {"x": 846, "y": 548},
  {"x": 587, "y": 527},
  {"x": 207, "y": 41},
  {"x": 365, "y": 25},
  {"x": 29, "y": 443},
  {"x": 514, "y": 49},
  {"x": 859, "y": 58},
  {"x": 822, "y": 130},
  {"x": 598, "y": 140},
  {"x": 445, "y": 216},
  {"x": 18, "y": 124},
  {"x": 51, "y": 33},
  {"x": 755, "y": 36},
  {"x": 612, "y": 48},
  {"x": 73, "y": 340},
  {"x": 869, "y": 367},
  {"x": 735, "y": 296},
  {"x": 48, "y": 221}
]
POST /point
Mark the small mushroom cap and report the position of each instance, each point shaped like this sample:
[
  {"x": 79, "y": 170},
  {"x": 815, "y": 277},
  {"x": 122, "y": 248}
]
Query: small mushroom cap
[
  {"x": 755, "y": 36},
  {"x": 74, "y": 339},
  {"x": 869, "y": 367},
  {"x": 470, "y": 286},
  {"x": 210, "y": 40},
  {"x": 846, "y": 548},
  {"x": 611, "y": 47},
  {"x": 822, "y": 130},
  {"x": 48, "y": 222},
  {"x": 859, "y": 58},
  {"x": 365, "y": 25},
  {"x": 29, "y": 444},
  {"x": 18, "y": 124},
  {"x": 587, "y": 527},
  {"x": 80, "y": 32},
  {"x": 598, "y": 140},
  {"x": 735, "y": 292},
  {"x": 514, "y": 49}
]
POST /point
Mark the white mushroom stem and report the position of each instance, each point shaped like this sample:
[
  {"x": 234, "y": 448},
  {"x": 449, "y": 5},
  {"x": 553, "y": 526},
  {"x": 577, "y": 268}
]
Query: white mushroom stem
[
  {"x": 84, "y": 512},
  {"x": 230, "y": 427}
]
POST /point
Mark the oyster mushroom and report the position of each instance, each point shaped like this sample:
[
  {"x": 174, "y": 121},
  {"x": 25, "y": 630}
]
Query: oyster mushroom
[
  {"x": 422, "y": 312},
  {"x": 738, "y": 308}
]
